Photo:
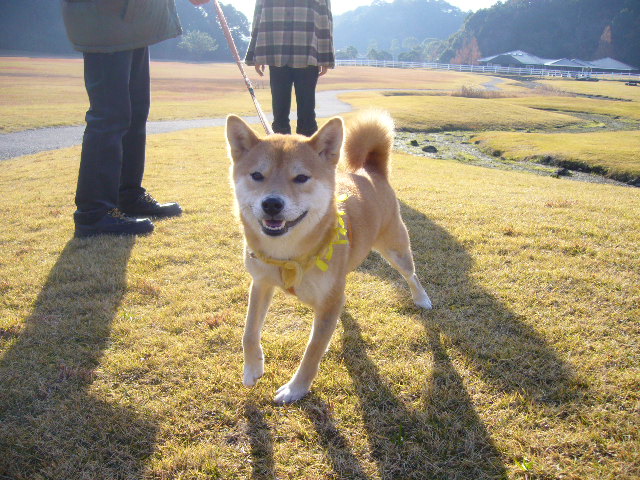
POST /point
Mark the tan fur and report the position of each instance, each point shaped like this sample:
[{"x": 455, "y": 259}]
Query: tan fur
[
  {"x": 275, "y": 167},
  {"x": 369, "y": 142}
]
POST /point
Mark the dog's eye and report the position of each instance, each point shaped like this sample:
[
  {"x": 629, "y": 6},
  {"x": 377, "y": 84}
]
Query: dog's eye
[
  {"x": 257, "y": 176},
  {"x": 301, "y": 178}
]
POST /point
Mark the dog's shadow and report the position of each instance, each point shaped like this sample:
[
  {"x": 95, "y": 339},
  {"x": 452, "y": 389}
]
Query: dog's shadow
[
  {"x": 53, "y": 426},
  {"x": 445, "y": 438}
]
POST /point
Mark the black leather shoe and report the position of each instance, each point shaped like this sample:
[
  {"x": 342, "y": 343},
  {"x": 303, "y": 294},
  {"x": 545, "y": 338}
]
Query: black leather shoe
[
  {"x": 115, "y": 223},
  {"x": 147, "y": 206}
]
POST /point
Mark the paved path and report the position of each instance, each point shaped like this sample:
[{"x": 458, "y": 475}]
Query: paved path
[
  {"x": 42, "y": 139},
  {"x": 493, "y": 84},
  {"x": 28, "y": 142}
]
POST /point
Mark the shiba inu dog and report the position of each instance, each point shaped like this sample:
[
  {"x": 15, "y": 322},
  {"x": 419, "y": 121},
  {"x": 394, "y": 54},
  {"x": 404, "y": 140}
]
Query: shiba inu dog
[{"x": 311, "y": 210}]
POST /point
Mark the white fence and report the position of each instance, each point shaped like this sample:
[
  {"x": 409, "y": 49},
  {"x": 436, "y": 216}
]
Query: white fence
[{"x": 495, "y": 69}]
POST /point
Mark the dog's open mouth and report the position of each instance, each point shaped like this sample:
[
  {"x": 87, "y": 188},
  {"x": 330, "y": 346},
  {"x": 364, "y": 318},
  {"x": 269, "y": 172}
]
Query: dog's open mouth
[{"x": 274, "y": 228}]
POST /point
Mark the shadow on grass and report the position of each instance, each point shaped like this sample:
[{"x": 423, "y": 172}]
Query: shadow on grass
[
  {"x": 261, "y": 440},
  {"x": 342, "y": 459},
  {"x": 445, "y": 438},
  {"x": 52, "y": 426},
  {"x": 503, "y": 349}
]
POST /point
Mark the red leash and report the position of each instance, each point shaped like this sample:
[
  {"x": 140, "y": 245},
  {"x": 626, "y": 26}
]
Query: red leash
[{"x": 234, "y": 50}]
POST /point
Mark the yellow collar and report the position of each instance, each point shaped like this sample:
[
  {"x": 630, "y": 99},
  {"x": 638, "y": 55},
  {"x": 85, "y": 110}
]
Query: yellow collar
[{"x": 293, "y": 270}]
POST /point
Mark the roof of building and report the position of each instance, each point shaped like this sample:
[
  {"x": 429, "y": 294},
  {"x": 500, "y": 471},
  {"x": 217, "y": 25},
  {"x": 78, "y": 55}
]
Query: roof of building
[
  {"x": 611, "y": 64},
  {"x": 518, "y": 56},
  {"x": 523, "y": 58},
  {"x": 568, "y": 62}
]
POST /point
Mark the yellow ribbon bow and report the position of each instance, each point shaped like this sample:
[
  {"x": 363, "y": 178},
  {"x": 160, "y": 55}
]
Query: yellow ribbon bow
[{"x": 292, "y": 271}]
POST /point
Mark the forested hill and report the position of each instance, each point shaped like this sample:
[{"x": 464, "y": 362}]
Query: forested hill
[
  {"x": 396, "y": 25},
  {"x": 36, "y": 26},
  {"x": 585, "y": 29}
]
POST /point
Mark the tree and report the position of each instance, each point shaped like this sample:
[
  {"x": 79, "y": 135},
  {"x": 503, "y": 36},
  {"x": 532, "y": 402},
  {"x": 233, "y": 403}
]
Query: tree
[
  {"x": 33, "y": 26},
  {"x": 379, "y": 55},
  {"x": 468, "y": 54},
  {"x": 205, "y": 20},
  {"x": 395, "y": 47},
  {"x": 550, "y": 29},
  {"x": 626, "y": 33},
  {"x": 411, "y": 56},
  {"x": 383, "y": 21},
  {"x": 432, "y": 49},
  {"x": 605, "y": 47},
  {"x": 410, "y": 43},
  {"x": 37, "y": 26},
  {"x": 198, "y": 44},
  {"x": 348, "y": 53}
]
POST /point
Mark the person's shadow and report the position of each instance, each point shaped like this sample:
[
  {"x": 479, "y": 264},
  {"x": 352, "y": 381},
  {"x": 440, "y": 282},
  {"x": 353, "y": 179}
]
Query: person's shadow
[
  {"x": 505, "y": 351},
  {"x": 53, "y": 426},
  {"x": 445, "y": 438}
]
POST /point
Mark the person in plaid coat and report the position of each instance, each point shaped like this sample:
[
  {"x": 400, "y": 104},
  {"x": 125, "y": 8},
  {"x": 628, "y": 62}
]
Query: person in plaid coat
[{"x": 295, "y": 39}]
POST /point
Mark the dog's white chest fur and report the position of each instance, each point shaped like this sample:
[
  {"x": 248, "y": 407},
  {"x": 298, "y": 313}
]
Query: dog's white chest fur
[{"x": 314, "y": 287}]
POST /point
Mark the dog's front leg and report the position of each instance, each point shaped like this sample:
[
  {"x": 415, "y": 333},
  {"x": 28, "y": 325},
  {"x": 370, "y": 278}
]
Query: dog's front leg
[
  {"x": 259, "y": 300},
  {"x": 324, "y": 324}
]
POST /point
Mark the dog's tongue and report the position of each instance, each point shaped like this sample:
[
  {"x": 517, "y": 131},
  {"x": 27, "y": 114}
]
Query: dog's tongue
[{"x": 274, "y": 224}]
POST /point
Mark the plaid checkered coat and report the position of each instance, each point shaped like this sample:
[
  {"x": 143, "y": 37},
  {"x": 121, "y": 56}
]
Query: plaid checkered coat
[{"x": 294, "y": 33}]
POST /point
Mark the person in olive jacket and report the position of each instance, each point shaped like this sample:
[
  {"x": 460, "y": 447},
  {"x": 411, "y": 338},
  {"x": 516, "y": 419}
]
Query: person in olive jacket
[{"x": 114, "y": 37}]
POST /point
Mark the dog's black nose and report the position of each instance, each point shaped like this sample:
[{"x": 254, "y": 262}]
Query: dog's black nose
[{"x": 272, "y": 205}]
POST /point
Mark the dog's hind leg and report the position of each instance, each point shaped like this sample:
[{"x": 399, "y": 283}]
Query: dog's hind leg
[
  {"x": 259, "y": 300},
  {"x": 395, "y": 248},
  {"x": 324, "y": 324}
]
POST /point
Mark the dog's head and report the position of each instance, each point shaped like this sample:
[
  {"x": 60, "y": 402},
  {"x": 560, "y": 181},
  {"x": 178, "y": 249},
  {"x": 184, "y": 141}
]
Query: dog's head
[{"x": 284, "y": 184}]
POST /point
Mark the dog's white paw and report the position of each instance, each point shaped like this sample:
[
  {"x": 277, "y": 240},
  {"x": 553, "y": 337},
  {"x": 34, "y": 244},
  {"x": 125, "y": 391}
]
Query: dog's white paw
[
  {"x": 290, "y": 393},
  {"x": 252, "y": 372},
  {"x": 423, "y": 301}
]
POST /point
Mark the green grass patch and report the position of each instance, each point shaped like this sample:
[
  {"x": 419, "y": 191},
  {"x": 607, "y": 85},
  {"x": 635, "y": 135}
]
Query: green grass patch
[
  {"x": 612, "y": 89},
  {"x": 440, "y": 113},
  {"x": 612, "y": 108},
  {"x": 613, "y": 154},
  {"x": 122, "y": 358}
]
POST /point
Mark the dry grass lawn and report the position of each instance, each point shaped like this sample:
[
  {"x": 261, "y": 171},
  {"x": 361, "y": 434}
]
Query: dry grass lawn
[
  {"x": 613, "y": 154},
  {"x": 56, "y": 94},
  {"x": 121, "y": 358}
]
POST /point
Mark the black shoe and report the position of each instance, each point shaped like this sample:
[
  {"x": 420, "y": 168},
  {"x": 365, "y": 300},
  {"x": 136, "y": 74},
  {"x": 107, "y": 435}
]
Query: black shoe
[
  {"x": 147, "y": 206},
  {"x": 115, "y": 223}
]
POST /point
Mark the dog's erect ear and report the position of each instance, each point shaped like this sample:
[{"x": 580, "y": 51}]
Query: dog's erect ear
[
  {"x": 240, "y": 137},
  {"x": 328, "y": 140}
]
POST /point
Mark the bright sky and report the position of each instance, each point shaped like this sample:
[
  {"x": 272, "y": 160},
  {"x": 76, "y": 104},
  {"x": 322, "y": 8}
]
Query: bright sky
[{"x": 341, "y": 6}]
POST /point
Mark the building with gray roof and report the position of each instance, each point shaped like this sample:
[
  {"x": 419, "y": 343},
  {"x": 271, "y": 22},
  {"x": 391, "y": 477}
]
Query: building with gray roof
[{"x": 519, "y": 58}]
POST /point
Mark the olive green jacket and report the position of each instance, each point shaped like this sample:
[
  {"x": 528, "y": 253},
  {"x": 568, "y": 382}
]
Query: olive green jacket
[{"x": 107, "y": 26}]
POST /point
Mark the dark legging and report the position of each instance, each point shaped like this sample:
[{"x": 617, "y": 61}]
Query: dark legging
[
  {"x": 113, "y": 146},
  {"x": 304, "y": 80}
]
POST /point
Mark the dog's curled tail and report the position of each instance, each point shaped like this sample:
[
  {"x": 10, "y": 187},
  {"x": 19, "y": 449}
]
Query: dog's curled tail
[{"x": 368, "y": 143}]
